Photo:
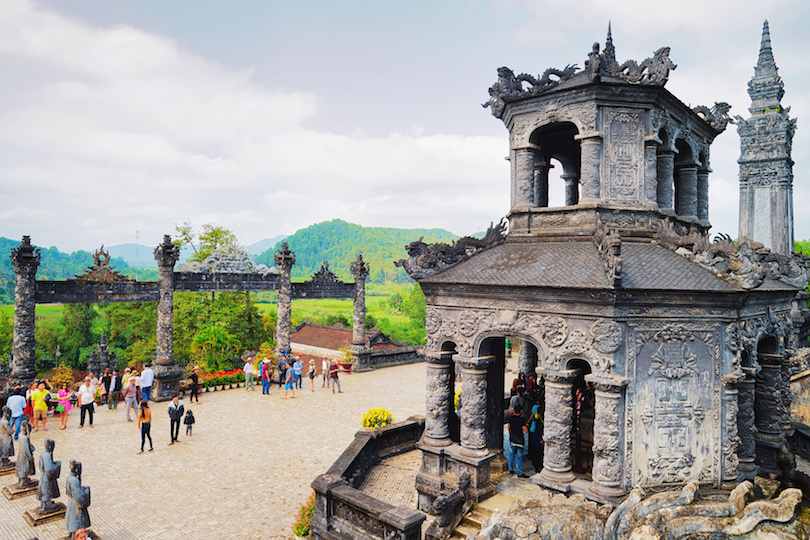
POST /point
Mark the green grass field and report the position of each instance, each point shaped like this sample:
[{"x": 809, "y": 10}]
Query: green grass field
[{"x": 46, "y": 313}]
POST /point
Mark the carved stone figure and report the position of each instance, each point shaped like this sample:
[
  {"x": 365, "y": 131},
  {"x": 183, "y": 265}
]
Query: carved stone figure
[
  {"x": 76, "y": 516},
  {"x": 450, "y": 509},
  {"x": 25, "y": 459},
  {"x": 48, "y": 488},
  {"x": 6, "y": 439}
]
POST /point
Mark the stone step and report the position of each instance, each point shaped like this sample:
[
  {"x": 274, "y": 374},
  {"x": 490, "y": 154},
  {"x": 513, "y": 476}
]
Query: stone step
[{"x": 472, "y": 522}]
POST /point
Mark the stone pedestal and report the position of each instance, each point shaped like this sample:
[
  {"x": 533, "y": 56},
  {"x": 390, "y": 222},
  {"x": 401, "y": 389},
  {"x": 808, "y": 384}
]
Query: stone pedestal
[
  {"x": 559, "y": 413},
  {"x": 9, "y": 469},
  {"x": 13, "y": 492},
  {"x": 441, "y": 468},
  {"x": 608, "y": 435},
  {"x": 166, "y": 383},
  {"x": 36, "y": 517}
]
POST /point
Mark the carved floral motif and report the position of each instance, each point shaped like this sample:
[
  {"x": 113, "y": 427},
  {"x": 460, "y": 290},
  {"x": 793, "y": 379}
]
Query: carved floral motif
[{"x": 607, "y": 336}]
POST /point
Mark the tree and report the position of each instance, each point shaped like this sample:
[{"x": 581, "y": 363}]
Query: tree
[
  {"x": 76, "y": 333},
  {"x": 213, "y": 345},
  {"x": 208, "y": 239}
]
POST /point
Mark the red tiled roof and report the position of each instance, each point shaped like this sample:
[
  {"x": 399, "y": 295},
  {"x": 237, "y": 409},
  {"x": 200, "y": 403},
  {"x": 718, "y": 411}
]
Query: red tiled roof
[{"x": 331, "y": 338}]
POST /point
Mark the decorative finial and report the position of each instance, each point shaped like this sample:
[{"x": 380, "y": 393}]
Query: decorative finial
[
  {"x": 609, "y": 53},
  {"x": 765, "y": 51}
]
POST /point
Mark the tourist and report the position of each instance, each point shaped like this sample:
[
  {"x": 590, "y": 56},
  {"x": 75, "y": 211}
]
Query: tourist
[
  {"x": 147, "y": 377},
  {"x": 289, "y": 381},
  {"x": 145, "y": 423},
  {"x": 298, "y": 370},
  {"x": 176, "y": 415},
  {"x": 282, "y": 371},
  {"x": 517, "y": 431},
  {"x": 248, "y": 369},
  {"x": 87, "y": 396},
  {"x": 266, "y": 371},
  {"x": 114, "y": 391},
  {"x": 63, "y": 406},
  {"x": 125, "y": 377},
  {"x": 94, "y": 380},
  {"x": 536, "y": 436},
  {"x": 137, "y": 378},
  {"x": 130, "y": 395},
  {"x": 189, "y": 422},
  {"x": 29, "y": 408},
  {"x": 39, "y": 400},
  {"x": 16, "y": 402},
  {"x": 334, "y": 376},
  {"x": 324, "y": 372},
  {"x": 80, "y": 534},
  {"x": 105, "y": 386},
  {"x": 194, "y": 385},
  {"x": 311, "y": 374}
]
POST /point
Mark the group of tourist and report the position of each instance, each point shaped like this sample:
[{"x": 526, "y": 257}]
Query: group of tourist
[{"x": 290, "y": 375}]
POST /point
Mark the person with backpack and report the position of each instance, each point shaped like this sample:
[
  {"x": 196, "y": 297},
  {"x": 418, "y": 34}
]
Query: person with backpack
[
  {"x": 517, "y": 429},
  {"x": 282, "y": 371}
]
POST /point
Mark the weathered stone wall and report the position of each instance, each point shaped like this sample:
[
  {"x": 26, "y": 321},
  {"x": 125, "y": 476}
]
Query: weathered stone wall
[{"x": 800, "y": 390}]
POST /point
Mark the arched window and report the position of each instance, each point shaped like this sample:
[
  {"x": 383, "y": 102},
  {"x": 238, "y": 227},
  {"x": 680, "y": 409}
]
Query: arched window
[{"x": 558, "y": 149}]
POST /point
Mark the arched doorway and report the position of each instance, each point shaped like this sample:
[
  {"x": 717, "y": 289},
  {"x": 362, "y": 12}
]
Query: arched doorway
[{"x": 583, "y": 420}]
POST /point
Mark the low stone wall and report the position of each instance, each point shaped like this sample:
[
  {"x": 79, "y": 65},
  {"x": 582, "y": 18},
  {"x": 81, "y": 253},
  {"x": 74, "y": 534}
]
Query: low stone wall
[
  {"x": 342, "y": 511},
  {"x": 395, "y": 357}
]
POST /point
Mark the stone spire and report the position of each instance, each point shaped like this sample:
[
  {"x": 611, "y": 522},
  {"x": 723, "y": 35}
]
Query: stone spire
[
  {"x": 766, "y": 167},
  {"x": 609, "y": 53}
]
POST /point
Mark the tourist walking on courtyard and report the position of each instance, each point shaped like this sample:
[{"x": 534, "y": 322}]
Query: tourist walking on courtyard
[
  {"x": 248, "y": 369},
  {"x": 114, "y": 391},
  {"x": 189, "y": 422},
  {"x": 266, "y": 371},
  {"x": 63, "y": 406},
  {"x": 39, "y": 401},
  {"x": 298, "y": 371},
  {"x": 517, "y": 430},
  {"x": 16, "y": 402},
  {"x": 105, "y": 386},
  {"x": 145, "y": 423},
  {"x": 324, "y": 372},
  {"x": 282, "y": 371},
  {"x": 137, "y": 379},
  {"x": 130, "y": 394},
  {"x": 311, "y": 374},
  {"x": 125, "y": 377},
  {"x": 289, "y": 381},
  {"x": 87, "y": 397},
  {"x": 29, "y": 408},
  {"x": 195, "y": 385},
  {"x": 334, "y": 376},
  {"x": 176, "y": 410},
  {"x": 147, "y": 377}
]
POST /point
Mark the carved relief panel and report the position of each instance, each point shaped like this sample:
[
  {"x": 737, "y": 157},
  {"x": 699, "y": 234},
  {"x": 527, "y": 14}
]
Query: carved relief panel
[
  {"x": 676, "y": 407},
  {"x": 623, "y": 156}
]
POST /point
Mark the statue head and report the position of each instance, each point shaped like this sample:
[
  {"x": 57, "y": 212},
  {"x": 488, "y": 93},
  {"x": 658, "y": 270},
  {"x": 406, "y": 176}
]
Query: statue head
[
  {"x": 26, "y": 428},
  {"x": 76, "y": 468},
  {"x": 49, "y": 445},
  {"x": 6, "y": 413}
]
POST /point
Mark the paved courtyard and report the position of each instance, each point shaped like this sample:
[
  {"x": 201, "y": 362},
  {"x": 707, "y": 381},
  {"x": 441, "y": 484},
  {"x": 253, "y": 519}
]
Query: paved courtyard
[{"x": 243, "y": 474}]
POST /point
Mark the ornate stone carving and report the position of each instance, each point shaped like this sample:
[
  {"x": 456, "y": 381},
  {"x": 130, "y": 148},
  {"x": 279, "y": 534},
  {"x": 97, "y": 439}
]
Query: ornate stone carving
[
  {"x": 557, "y": 427},
  {"x": 359, "y": 271},
  {"x": 425, "y": 260},
  {"x": 468, "y": 323},
  {"x": 554, "y": 330},
  {"x": 717, "y": 116},
  {"x": 607, "y": 336},
  {"x": 25, "y": 259},
  {"x": 284, "y": 259},
  {"x": 433, "y": 320},
  {"x": 509, "y": 86},
  {"x": 623, "y": 175},
  {"x": 609, "y": 244},
  {"x": 473, "y": 410},
  {"x": 101, "y": 271},
  {"x": 438, "y": 400}
]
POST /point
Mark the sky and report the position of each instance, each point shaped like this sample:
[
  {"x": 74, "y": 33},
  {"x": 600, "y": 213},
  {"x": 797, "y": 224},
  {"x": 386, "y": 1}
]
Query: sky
[{"x": 121, "y": 119}]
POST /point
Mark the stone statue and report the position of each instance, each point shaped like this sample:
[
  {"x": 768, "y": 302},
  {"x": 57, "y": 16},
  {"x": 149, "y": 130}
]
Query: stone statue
[
  {"x": 6, "y": 439},
  {"x": 25, "y": 461},
  {"x": 50, "y": 470},
  {"x": 76, "y": 516}
]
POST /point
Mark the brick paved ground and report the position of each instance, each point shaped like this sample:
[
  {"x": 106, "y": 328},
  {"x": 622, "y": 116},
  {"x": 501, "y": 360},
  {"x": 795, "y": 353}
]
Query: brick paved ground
[{"x": 243, "y": 474}]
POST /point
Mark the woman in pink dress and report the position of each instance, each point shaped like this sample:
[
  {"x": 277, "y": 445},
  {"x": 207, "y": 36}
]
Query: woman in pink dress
[{"x": 63, "y": 407}]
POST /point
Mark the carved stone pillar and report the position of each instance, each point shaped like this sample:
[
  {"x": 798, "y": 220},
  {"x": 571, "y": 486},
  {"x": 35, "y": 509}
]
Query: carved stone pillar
[
  {"x": 651, "y": 172},
  {"x": 167, "y": 373},
  {"x": 767, "y": 410},
  {"x": 703, "y": 195},
  {"x": 608, "y": 462},
  {"x": 666, "y": 180},
  {"x": 528, "y": 359},
  {"x": 284, "y": 259},
  {"x": 438, "y": 399},
  {"x": 524, "y": 179},
  {"x": 541, "y": 182},
  {"x": 747, "y": 450},
  {"x": 559, "y": 414},
  {"x": 591, "y": 154},
  {"x": 730, "y": 438},
  {"x": 571, "y": 188},
  {"x": 25, "y": 259},
  {"x": 686, "y": 203},
  {"x": 474, "y": 405},
  {"x": 361, "y": 354}
]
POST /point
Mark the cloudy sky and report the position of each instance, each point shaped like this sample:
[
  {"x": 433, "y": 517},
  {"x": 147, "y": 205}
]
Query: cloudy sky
[{"x": 264, "y": 116}]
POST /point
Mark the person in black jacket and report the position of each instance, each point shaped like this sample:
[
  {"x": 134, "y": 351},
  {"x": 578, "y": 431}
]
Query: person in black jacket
[
  {"x": 176, "y": 410},
  {"x": 114, "y": 390}
]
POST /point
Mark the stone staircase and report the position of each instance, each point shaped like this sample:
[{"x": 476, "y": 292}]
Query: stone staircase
[{"x": 471, "y": 523}]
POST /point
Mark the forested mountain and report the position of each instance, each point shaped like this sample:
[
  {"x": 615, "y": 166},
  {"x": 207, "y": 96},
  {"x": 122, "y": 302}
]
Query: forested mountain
[
  {"x": 339, "y": 242},
  {"x": 56, "y": 265}
]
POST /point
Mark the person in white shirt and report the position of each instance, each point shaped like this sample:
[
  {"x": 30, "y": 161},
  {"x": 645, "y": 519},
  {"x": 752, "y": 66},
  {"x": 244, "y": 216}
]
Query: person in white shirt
[
  {"x": 147, "y": 377},
  {"x": 16, "y": 402},
  {"x": 248, "y": 369},
  {"x": 325, "y": 372},
  {"x": 87, "y": 397}
]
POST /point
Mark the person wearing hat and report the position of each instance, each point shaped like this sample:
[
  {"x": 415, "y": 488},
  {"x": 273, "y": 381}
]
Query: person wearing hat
[
  {"x": 87, "y": 396},
  {"x": 248, "y": 369},
  {"x": 266, "y": 372},
  {"x": 311, "y": 374},
  {"x": 298, "y": 370},
  {"x": 195, "y": 384},
  {"x": 130, "y": 395}
]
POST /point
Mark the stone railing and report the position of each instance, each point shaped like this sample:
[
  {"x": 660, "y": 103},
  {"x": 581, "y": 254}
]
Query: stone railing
[
  {"x": 395, "y": 357},
  {"x": 343, "y": 511}
]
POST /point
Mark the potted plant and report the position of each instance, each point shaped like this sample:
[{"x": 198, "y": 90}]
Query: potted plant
[
  {"x": 375, "y": 418},
  {"x": 346, "y": 360},
  {"x": 303, "y": 519}
]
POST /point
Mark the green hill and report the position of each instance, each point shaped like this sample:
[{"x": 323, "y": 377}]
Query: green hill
[{"x": 339, "y": 243}]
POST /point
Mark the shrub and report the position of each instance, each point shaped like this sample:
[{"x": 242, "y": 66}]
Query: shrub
[
  {"x": 303, "y": 519},
  {"x": 64, "y": 374},
  {"x": 375, "y": 418}
]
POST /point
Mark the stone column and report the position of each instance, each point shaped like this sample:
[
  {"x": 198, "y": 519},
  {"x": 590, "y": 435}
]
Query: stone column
[
  {"x": 559, "y": 414},
  {"x": 591, "y": 154},
  {"x": 167, "y": 373},
  {"x": 651, "y": 172},
  {"x": 787, "y": 397},
  {"x": 767, "y": 410},
  {"x": 541, "y": 168},
  {"x": 284, "y": 259},
  {"x": 25, "y": 259},
  {"x": 474, "y": 405},
  {"x": 360, "y": 353},
  {"x": 746, "y": 429},
  {"x": 571, "y": 188},
  {"x": 608, "y": 462},
  {"x": 666, "y": 180},
  {"x": 703, "y": 195},
  {"x": 528, "y": 359},
  {"x": 686, "y": 205},
  {"x": 438, "y": 398},
  {"x": 730, "y": 438},
  {"x": 524, "y": 179}
]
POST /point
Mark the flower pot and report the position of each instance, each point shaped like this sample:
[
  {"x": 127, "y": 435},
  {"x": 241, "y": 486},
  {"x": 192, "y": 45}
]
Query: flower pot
[{"x": 346, "y": 368}]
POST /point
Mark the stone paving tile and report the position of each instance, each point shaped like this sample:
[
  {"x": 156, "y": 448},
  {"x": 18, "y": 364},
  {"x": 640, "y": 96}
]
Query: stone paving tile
[
  {"x": 243, "y": 474},
  {"x": 393, "y": 480}
]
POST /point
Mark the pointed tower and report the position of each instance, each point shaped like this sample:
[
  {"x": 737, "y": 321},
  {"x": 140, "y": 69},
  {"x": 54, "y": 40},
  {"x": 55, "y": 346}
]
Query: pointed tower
[{"x": 766, "y": 168}]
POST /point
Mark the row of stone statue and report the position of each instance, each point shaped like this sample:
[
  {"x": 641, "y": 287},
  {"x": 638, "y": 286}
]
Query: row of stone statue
[{"x": 47, "y": 488}]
